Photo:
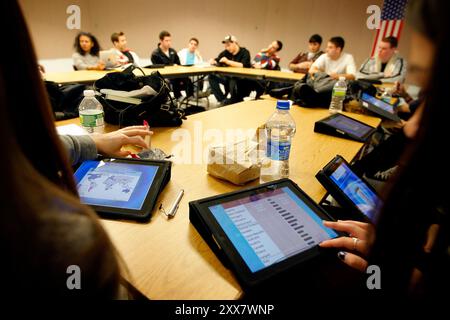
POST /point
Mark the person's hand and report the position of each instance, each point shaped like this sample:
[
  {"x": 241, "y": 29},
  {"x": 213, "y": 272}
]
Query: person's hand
[
  {"x": 304, "y": 65},
  {"x": 224, "y": 60},
  {"x": 110, "y": 144},
  {"x": 356, "y": 246},
  {"x": 399, "y": 89},
  {"x": 212, "y": 62},
  {"x": 334, "y": 75},
  {"x": 101, "y": 65},
  {"x": 257, "y": 65}
]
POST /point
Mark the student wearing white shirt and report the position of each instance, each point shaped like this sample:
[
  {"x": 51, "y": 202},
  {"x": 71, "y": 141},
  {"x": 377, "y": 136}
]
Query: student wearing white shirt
[
  {"x": 124, "y": 54},
  {"x": 335, "y": 62},
  {"x": 190, "y": 55}
]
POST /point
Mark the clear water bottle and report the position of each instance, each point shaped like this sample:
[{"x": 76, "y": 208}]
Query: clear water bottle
[
  {"x": 338, "y": 96},
  {"x": 280, "y": 129},
  {"x": 91, "y": 113}
]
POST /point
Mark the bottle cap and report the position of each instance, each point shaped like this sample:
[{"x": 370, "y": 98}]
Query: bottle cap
[
  {"x": 89, "y": 93},
  {"x": 283, "y": 104}
]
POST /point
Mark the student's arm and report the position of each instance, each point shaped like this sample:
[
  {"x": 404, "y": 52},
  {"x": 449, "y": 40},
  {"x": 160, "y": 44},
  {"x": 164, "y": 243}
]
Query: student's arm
[
  {"x": 231, "y": 63},
  {"x": 182, "y": 56},
  {"x": 177, "y": 58},
  {"x": 217, "y": 60},
  {"x": 79, "y": 148},
  {"x": 351, "y": 69},
  {"x": 318, "y": 65},
  {"x": 199, "y": 57},
  {"x": 156, "y": 58},
  {"x": 87, "y": 147},
  {"x": 364, "y": 71},
  {"x": 399, "y": 72},
  {"x": 78, "y": 62}
]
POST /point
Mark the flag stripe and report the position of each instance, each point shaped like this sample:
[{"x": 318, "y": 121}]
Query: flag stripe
[
  {"x": 397, "y": 27},
  {"x": 380, "y": 36},
  {"x": 376, "y": 39},
  {"x": 400, "y": 30},
  {"x": 391, "y": 24},
  {"x": 389, "y": 28}
]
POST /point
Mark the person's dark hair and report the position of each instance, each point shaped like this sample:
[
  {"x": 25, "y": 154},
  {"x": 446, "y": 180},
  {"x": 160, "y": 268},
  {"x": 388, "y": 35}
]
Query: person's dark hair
[
  {"x": 280, "y": 45},
  {"x": 418, "y": 195},
  {"x": 95, "y": 51},
  {"x": 391, "y": 40},
  {"x": 43, "y": 226},
  {"x": 164, "y": 34},
  {"x": 115, "y": 36},
  {"x": 315, "y": 38},
  {"x": 195, "y": 39},
  {"x": 339, "y": 42}
]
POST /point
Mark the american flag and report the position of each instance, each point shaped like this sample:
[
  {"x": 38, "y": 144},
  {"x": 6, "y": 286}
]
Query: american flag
[{"x": 392, "y": 17}]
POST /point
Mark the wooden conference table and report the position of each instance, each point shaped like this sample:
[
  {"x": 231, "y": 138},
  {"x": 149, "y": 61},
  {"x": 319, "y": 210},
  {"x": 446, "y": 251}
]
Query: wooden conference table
[
  {"x": 85, "y": 76},
  {"x": 168, "y": 259}
]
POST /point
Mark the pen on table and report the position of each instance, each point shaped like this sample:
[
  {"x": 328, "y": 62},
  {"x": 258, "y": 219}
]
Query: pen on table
[{"x": 176, "y": 203}]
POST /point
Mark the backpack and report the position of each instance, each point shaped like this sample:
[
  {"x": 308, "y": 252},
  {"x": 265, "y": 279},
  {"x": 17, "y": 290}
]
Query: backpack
[
  {"x": 158, "y": 110},
  {"x": 64, "y": 99},
  {"x": 313, "y": 92}
]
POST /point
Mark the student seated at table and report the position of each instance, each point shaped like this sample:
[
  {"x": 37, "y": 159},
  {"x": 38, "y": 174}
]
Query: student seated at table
[
  {"x": 48, "y": 236},
  {"x": 387, "y": 66},
  {"x": 123, "y": 54},
  {"x": 335, "y": 62},
  {"x": 303, "y": 61},
  {"x": 329, "y": 66},
  {"x": 233, "y": 56},
  {"x": 87, "y": 55},
  {"x": 164, "y": 54},
  {"x": 267, "y": 58},
  {"x": 190, "y": 55}
]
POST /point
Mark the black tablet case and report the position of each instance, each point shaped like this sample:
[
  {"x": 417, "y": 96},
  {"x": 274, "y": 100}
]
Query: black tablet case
[
  {"x": 203, "y": 229},
  {"x": 167, "y": 168},
  {"x": 347, "y": 211},
  {"x": 322, "y": 127}
]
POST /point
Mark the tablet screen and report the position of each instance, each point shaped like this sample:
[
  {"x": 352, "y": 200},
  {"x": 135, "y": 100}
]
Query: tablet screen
[
  {"x": 356, "y": 190},
  {"x": 270, "y": 227},
  {"x": 114, "y": 184},
  {"x": 378, "y": 103},
  {"x": 348, "y": 125}
]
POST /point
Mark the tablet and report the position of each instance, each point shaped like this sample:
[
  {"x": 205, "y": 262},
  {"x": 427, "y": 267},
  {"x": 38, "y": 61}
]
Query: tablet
[
  {"x": 262, "y": 231},
  {"x": 349, "y": 190},
  {"x": 345, "y": 127},
  {"x": 379, "y": 107},
  {"x": 122, "y": 188}
]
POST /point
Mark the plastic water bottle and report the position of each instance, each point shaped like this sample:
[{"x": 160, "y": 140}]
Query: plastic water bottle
[
  {"x": 91, "y": 113},
  {"x": 338, "y": 96},
  {"x": 280, "y": 129}
]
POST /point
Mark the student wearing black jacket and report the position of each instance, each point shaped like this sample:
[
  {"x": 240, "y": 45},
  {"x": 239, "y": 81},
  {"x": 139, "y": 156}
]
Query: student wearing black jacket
[
  {"x": 233, "y": 56},
  {"x": 165, "y": 55}
]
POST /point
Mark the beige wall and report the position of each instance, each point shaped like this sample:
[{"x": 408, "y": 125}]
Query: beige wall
[{"x": 255, "y": 22}]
